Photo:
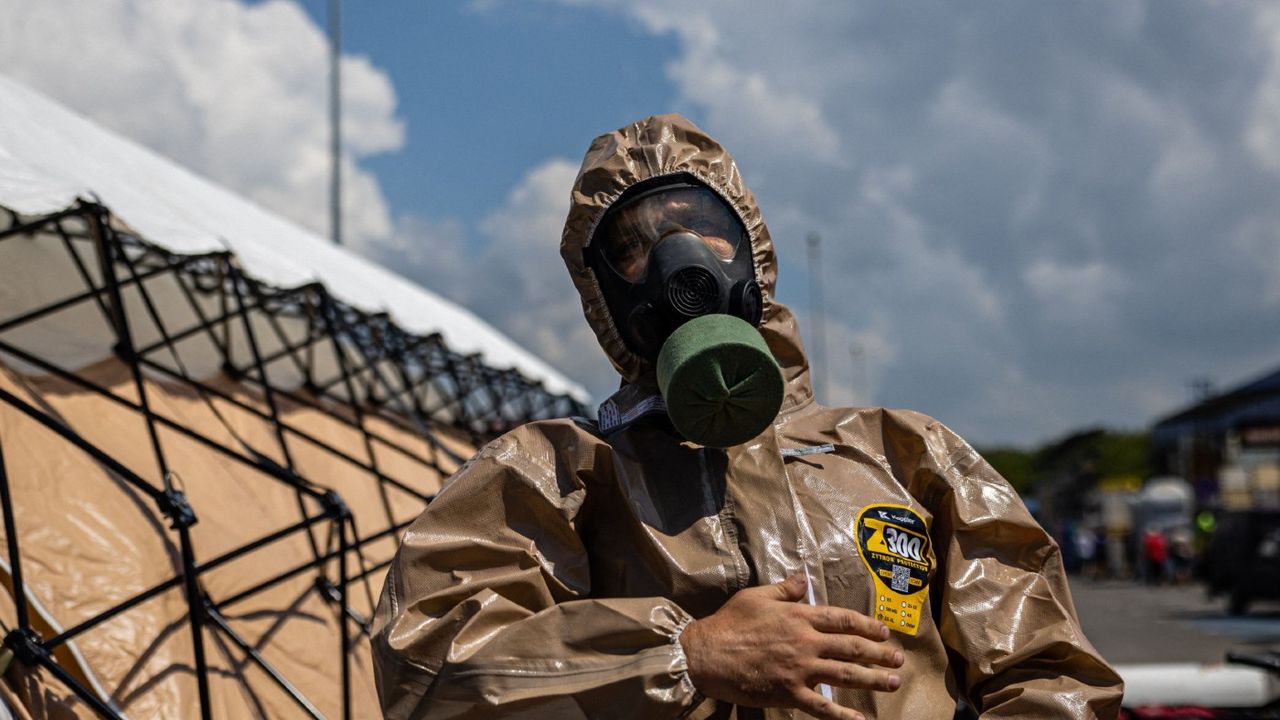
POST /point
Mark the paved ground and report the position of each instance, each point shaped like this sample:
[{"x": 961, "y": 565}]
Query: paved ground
[{"x": 1131, "y": 623}]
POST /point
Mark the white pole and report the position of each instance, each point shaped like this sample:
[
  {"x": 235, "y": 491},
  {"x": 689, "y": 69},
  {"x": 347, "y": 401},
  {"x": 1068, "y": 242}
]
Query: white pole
[
  {"x": 818, "y": 362},
  {"x": 335, "y": 121},
  {"x": 861, "y": 390}
]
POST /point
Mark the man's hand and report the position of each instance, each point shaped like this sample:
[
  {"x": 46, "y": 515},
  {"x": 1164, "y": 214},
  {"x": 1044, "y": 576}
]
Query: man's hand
[{"x": 764, "y": 649}]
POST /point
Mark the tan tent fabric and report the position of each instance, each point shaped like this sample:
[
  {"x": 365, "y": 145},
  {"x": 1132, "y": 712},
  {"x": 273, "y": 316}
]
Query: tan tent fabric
[
  {"x": 114, "y": 260},
  {"x": 89, "y": 541}
]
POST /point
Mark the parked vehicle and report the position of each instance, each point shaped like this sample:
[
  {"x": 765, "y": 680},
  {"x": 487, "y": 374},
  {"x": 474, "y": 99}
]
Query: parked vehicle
[{"x": 1242, "y": 560}]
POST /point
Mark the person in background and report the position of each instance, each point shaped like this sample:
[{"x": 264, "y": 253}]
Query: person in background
[
  {"x": 1086, "y": 541},
  {"x": 1181, "y": 556},
  {"x": 1156, "y": 554}
]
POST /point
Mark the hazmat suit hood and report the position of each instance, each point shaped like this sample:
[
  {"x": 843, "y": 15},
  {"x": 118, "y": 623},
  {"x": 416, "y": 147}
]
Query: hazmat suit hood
[{"x": 672, "y": 146}]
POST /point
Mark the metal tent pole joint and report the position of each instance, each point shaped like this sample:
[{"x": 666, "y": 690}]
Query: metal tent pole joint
[
  {"x": 377, "y": 372},
  {"x": 27, "y": 647},
  {"x": 173, "y": 504}
]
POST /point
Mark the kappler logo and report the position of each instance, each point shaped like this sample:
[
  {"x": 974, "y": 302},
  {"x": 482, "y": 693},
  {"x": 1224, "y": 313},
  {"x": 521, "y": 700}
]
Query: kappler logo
[{"x": 886, "y": 515}]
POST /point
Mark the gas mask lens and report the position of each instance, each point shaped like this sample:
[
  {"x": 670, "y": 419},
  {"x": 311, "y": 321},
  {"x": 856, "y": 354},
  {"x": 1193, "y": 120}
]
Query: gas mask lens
[{"x": 633, "y": 229}]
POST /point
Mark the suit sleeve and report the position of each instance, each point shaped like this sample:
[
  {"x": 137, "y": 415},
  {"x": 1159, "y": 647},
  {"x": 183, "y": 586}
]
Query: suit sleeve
[
  {"x": 1006, "y": 609},
  {"x": 487, "y": 609}
]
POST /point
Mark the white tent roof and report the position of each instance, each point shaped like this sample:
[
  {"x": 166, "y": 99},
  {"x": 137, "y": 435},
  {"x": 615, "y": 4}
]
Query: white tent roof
[{"x": 51, "y": 157}]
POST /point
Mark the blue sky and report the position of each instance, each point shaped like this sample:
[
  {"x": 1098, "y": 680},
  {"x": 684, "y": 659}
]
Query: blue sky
[
  {"x": 489, "y": 91},
  {"x": 1036, "y": 217}
]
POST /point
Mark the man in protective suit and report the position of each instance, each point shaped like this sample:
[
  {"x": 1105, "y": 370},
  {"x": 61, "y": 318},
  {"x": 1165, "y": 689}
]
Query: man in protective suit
[{"x": 719, "y": 544}]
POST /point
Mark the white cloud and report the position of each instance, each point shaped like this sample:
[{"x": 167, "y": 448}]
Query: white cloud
[
  {"x": 538, "y": 305},
  {"x": 1035, "y": 216},
  {"x": 1262, "y": 134},
  {"x": 1261, "y": 240},
  {"x": 760, "y": 108},
  {"x": 238, "y": 93},
  {"x": 1049, "y": 214},
  {"x": 856, "y": 362},
  {"x": 1083, "y": 285},
  {"x": 507, "y": 269},
  {"x": 1075, "y": 296},
  {"x": 750, "y": 104}
]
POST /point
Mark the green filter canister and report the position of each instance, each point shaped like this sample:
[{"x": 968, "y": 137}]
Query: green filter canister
[{"x": 721, "y": 384}]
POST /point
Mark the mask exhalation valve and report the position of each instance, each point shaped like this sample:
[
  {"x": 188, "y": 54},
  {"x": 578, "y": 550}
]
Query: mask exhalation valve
[{"x": 693, "y": 291}]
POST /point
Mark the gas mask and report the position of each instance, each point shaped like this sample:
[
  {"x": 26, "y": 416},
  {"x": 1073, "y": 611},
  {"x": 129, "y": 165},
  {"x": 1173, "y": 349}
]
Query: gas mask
[{"x": 673, "y": 261}]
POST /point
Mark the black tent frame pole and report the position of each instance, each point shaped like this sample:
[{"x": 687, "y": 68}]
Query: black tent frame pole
[
  {"x": 214, "y": 392},
  {"x": 294, "y": 397},
  {"x": 204, "y": 325},
  {"x": 41, "y": 658},
  {"x": 344, "y": 635},
  {"x": 92, "y": 450},
  {"x": 233, "y": 276},
  {"x": 453, "y": 364},
  {"x": 173, "y": 582},
  {"x": 23, "y": 640},
  {"x": 69, "y": 243},
  {"x": 268, "y": 392},
  {"x": 197, "y": 617},
  {"x": 169, "y": 340},
  {"x": 33, "y": 226},
  {"x": 184, "y": 518},
  {"x": 270, "y": 469},
  {"x": 436, "y": 380},
  {"x": 65, "y": 303},
  {"x": 308, "y": 402},
  {"x": 33, "y": 651},
  {"x": 219, "y": 622},
  {"x": 11, "y": 539},
  {"x": 414, "y": 411},
  {"x": 337, "y": 330},
  {"x": 287, "y": 350},
  {"x": 181, "y": 335},
  {"x": 120, "y": 324},
  {"x": 307, "y": 565}
]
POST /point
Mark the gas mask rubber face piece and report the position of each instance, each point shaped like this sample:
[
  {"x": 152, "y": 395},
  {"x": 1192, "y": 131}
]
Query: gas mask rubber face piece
[{"x": 673, "y": 261}]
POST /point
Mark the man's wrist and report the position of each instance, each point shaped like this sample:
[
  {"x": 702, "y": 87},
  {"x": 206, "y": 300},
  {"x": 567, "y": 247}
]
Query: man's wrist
[{"x": 679, "y": 639}]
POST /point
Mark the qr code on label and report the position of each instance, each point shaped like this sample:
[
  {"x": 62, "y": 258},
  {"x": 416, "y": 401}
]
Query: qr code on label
[{"x": 901, "y": 579}]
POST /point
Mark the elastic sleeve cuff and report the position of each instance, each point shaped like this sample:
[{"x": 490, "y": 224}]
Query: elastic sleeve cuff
[{"x": 681, "y": 665}]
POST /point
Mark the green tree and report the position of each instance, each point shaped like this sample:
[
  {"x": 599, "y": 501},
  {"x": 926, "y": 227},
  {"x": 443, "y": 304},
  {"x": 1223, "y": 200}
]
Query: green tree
[
  {"x": 1124, "y": 454},
  {"x": 1100, "y": 455}
]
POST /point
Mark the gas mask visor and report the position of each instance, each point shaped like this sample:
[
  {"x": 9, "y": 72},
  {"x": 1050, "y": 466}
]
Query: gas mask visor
[
  {"x": 634, "y": 229},
  {"x": 674, "y": 264}
]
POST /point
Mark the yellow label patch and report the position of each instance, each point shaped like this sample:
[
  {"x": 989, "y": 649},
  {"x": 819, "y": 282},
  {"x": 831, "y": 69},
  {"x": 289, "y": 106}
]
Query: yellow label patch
[{"x": 895, "y": 547}]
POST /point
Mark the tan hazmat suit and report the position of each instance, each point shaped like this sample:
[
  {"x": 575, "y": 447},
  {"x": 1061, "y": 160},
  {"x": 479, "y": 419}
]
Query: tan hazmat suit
[{"x": 553, "y": 573}]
